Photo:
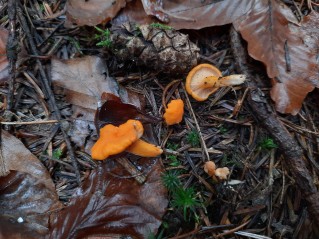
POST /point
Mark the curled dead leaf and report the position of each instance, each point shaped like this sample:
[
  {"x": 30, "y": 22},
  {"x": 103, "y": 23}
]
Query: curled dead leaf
[
  {"x": 285, "y": 49},
  {"x": 91, "y": 12}
]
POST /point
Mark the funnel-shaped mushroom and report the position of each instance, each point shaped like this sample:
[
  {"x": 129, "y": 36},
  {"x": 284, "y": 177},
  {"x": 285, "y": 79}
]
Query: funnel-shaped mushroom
[
  {"x": 205, "y": 79},
  {"x": 144, "y": 149},
  {"x": 114, "y": 140},
  {"x": 174, "y": 112}
]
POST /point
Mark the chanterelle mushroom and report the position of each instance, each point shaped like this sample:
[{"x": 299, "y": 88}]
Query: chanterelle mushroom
[
  {"x": 205, "y": 79},
  {"x": 144, "y": 149},
  {"x": 114, "y": 140},
  {"x": 174, "y": 112}
]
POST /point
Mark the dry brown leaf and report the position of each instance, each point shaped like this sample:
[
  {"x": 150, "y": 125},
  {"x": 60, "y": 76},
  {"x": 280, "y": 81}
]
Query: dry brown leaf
[
  {"x": 274, "y": 39},
  {"x": 85, "y": 79},
  {"x": 186, "y": 14},
  {"x": 4, "y": 64},
  {"x": 27, "y": 192},
  {"x": 91, "y": 12}
]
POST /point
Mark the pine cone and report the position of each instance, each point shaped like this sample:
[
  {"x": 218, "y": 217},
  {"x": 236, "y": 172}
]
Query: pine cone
[{"x": 156, "y": 46}]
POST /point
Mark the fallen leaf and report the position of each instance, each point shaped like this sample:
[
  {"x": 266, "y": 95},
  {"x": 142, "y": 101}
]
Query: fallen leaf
[
  {"x": 85, "y": 79},
  {"x": 27, "y": 192},
  {"x": 91, "y": 12},
  {"x": 4, "y": 64},
  {"x": 186, "y": 14},
  {"x": 283, "y": 47},
  {"x": 114, "y": 203},
  {"x": 115, "y": 112}
]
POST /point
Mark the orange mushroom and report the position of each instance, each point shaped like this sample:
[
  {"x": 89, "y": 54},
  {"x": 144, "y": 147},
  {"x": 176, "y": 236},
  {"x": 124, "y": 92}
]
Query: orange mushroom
[
  {"x": 205, "y": 79},
  {"x": 114, "y": 140},
  {"x": 222, "y": 173},
  {"x": 174, "y": 112},
  {"x": 210, "y": 168},
  {"x": 144, "y": 149}
]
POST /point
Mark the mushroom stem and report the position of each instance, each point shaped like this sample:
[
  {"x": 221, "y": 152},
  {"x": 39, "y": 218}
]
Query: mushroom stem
[{"x": 231, "y": 80}]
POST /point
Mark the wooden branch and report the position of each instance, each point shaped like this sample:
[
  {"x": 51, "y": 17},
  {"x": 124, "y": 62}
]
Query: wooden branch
[{"x": 268, "y": 118}]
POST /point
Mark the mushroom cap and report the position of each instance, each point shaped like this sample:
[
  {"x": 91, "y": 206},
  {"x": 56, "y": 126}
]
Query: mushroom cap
[
  {"x": 144, "y": 149},
  {"x": 196, "y": 85},
  {"x": 174, "y": 112},
  {"x": 114, "y": 140},
  {"x": 222, "y": 173},
  {"x": 209, "y": 168}
]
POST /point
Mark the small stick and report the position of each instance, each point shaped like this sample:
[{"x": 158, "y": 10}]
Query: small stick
[
  {"x": 30, "y": 122},
  {"x": 232, "y": 230},
  {"x": 138, "y": 175},
  {"x": 11, "y": 49},
  {"x": 196, "y": 123},
  {"x": 165, "y": 91}
]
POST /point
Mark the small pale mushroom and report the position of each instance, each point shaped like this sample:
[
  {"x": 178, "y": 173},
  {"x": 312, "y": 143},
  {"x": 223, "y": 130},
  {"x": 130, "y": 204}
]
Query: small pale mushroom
[
  {"x": 114, "y": 140},
  {"x": 209, "y": 168},
  {"x": 222, "y": 173},
  {"x": 174, "y": 112},
  {"x": 205, "y": 79},
  {"x": 144, "y": 149}
]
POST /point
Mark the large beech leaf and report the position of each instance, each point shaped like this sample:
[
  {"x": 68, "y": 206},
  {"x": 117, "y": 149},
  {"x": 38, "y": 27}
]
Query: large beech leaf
[
  {"x": 4, "y": 65},
  {"x": 91, "y": 12},
  {"x": 27, "y": 191},
  {"x": 186, "y": 14},
  {"x": 275, "y": 39},
  {"x": 84, "y": 80},
  {"x": 112, "y": 202}
]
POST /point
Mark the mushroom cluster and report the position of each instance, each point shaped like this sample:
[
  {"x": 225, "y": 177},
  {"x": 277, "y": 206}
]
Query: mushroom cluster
[
  {"x": 205, "y": 79},
  {"x": 126, "y": 137},
  {"x": 211, "y": 170}
]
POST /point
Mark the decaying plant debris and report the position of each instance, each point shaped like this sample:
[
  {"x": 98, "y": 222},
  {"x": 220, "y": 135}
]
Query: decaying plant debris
[{"x": 61, "y": 86}]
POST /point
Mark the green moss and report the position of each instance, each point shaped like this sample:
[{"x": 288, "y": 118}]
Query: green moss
[
  {"x": 193, "y": 138},
  {"x": 267, "y": 144},
  {"x": 160, "y": 26}
]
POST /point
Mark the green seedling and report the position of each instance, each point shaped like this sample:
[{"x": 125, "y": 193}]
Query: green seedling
[
  {"x": 104, "y": 37},
  {"x": 160, "y": 26},
  {"x": 186, "y": 200},
  {"x": 171, "y": 181},
  {"x": 193, "y": 138},
  {"x": 267, "y": 144},
  {"x": 172, "y": 146},
  {"x": 57, "y": 154},
  {"x": 174, "y": 162},
  {"x": 222, "y": 130}
]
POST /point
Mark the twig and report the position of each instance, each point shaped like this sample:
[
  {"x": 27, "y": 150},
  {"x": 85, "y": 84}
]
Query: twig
[
  {"x": 196, "y": 123},
  {"x": 268, "y": 118},
  {"x": 11, "y": 49},
  {"x": 48, "y": 92},
  {"x": 232, "y": 230},
  {"x": 30, "y": 122}
]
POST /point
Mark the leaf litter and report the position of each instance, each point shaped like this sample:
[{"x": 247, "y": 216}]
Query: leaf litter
[{"x": 230, "y": 141}]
